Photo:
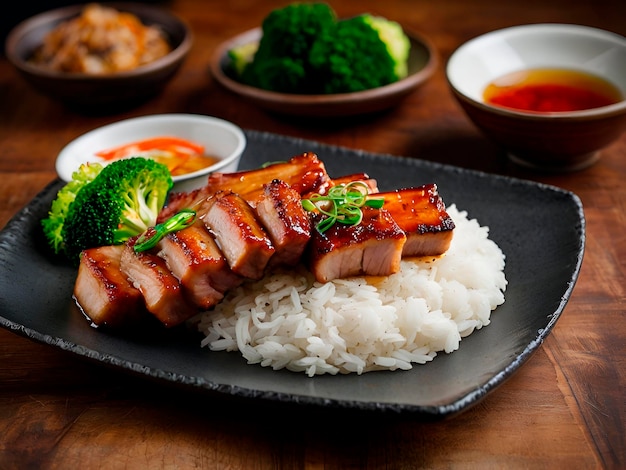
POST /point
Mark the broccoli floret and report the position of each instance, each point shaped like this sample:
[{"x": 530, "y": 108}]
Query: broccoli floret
[
  {"x": 306, "y": 50},
  {"x": 122, "y": 201},
  {"x": 53, "y": 224},
  {"x": 282, "y": 74},
  {"x": 397, "y": 42},
  {"x": 361, "y": 53},
  {"x": 241, "y": 56},
  {"x": 281, "y": 62}
]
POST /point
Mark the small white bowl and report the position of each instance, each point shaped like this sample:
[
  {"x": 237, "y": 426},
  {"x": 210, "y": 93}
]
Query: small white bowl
[
  {"x": 547, "y": 140},
  {"x": 220, "y": 138}
]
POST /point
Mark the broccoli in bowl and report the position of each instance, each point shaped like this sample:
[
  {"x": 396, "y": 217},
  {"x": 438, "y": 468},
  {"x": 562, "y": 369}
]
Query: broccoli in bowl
[{"x": 305, "y": 49}]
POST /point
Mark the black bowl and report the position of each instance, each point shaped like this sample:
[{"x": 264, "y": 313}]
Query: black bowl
[
  {"x": 98, "y": 92},
  {"x": 422, "y": 62}
]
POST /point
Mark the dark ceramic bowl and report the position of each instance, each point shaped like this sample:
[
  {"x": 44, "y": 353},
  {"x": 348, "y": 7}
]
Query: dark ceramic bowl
[
  {"x": 98, "y": 92},
  {"x": 555, "y": 141},
  {"x": 422, "y": 63}
]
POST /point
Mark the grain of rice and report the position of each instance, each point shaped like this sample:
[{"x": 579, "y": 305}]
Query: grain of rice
[{"x": 358, "y": 325}]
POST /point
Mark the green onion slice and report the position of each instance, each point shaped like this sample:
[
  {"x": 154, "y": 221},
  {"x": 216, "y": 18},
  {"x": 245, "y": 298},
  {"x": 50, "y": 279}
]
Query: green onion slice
[
  {"x": 342, "y": 204},
  {"x": 151, "y": 237}
]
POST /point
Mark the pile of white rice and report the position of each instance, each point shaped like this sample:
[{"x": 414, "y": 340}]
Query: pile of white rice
[{"x": 287, "y": 320}]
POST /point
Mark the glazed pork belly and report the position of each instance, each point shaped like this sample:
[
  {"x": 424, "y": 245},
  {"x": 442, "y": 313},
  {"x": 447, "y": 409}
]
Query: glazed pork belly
[
  {"x": 373, "y": 247},
  {"x": 195, "y": 259},
  {"x": 103, "y": 293},
  {"x": 238, "y": 233},
  {"x": 238, "y": 236},
  {"x": 162, "y": 291},
  {"x": 420, "y": 212},
  {"x": 305, "y": 173},
  {"x": 280, "y": 211}
]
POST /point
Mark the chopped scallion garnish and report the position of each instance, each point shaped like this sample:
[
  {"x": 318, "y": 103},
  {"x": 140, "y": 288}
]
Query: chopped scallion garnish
[
  {"x": 342, "y": 204},
  {"x": 151, "y": 237}
]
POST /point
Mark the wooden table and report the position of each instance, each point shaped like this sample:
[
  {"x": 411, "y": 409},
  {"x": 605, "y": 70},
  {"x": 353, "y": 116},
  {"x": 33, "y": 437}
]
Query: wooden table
[{"x": 564, "y": 409}]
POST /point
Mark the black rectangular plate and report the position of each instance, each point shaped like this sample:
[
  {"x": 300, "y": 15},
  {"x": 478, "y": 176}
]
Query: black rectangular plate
[{"x": 541, "y": 230}]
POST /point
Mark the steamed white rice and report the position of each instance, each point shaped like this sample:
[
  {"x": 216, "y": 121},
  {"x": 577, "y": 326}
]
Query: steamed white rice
[{"x": 357, "y": 325}]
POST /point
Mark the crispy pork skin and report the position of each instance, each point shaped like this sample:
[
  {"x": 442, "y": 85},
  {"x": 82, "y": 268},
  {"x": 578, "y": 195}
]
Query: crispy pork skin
[
  {"x": 194, "y": 258},
  {"x": 305, "y": 173},
  {"x": 103, "y": 293},
  {"x": 280, "y": 211},
  {"x": 162, "y": 291},
  {"x": 239, "y": 235},
  {"x": 374, "y": 247},
  {"x": 420, "y": 212}
]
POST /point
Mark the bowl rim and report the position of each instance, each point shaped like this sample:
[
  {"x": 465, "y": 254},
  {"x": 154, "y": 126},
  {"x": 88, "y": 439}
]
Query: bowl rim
[
  {"x": 65, "y": 153},
  {"x": 532, "y": 28},
  {"x": 403, "y": 85},
  {"x": 64, "y": 13}
]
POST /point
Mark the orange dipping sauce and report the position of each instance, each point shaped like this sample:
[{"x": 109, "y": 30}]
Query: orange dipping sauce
[{"x": 551, "y": 90}]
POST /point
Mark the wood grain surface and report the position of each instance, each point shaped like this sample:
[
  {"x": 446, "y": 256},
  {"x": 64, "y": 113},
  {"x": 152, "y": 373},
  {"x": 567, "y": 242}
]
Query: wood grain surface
[{"x": 565, "y": 408}]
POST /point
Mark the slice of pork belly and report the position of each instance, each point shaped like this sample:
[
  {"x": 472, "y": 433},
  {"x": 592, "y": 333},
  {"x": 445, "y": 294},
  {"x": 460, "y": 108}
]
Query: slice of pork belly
[
  {"x": 421, "y": 213},
  {"x": 103, "y": 293},
  {"x": 195, "y": 259},
  {"x": 305, "y": 173},
  {"x": 239, "y": 235},
  {"x": 373, "y": 247},
  {"x": 288, "y": 225},
  {"x": 162, "y": 291}
]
